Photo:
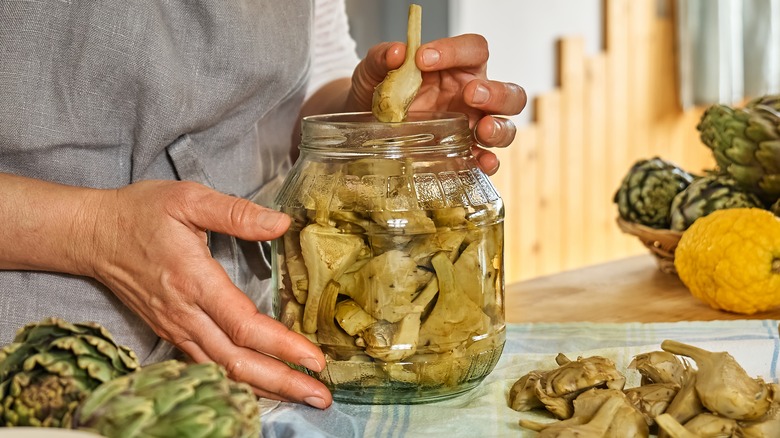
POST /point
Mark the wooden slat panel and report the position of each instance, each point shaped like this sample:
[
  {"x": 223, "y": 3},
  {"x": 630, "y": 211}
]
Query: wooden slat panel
[
  {"x": 609, "y": 110},
  {"x": 549, "y": 219},
  {"x": 526, "y": 210},
  {"x": 617, "y": 98},
  {"x": 599, "y": 213},
  {"x": 517, "y": 182},
  {"x": 572, "y": 73}
]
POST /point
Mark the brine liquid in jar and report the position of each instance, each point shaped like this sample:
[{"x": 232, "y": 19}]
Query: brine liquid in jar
[{"x": 393, "y": 263}]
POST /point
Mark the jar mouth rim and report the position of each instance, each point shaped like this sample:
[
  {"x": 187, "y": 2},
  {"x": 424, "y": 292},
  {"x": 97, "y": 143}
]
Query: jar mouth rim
[
  {"x": 361, "y": 132},
  {"x": 367, "y": 119}
]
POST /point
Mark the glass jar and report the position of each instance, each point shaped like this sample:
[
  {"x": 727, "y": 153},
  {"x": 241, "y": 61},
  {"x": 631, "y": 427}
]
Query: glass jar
[{"x": 393, "y": 263}]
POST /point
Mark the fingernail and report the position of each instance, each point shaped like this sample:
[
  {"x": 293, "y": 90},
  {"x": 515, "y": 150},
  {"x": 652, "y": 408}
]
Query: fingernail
[
  {"x": 496, "y": 130},
  {"x": 311, "y": 363},
  {"x": 430, "y": 57},
  {"x": 316, "y": 402},
  {"x": 481, "y": 95},
  {"x": 270, "y": 220}
]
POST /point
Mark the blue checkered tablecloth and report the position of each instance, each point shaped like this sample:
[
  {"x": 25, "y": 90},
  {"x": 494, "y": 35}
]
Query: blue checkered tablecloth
[{"x": 484, "y": 411}]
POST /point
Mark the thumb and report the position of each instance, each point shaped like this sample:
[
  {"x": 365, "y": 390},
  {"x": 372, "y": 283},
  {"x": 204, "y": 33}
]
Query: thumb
[
  {"x": 372, "y": 70},
  {"x": 237, "y": 217}
]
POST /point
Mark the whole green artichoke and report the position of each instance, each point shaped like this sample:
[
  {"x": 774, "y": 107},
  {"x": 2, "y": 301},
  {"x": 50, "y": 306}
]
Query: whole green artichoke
[
  {"x": 746, "y": 143},
  {"x": 52, "y": 366},
  {"x": 707, "y": 194},
  {"x": 646, "y": 192},
  {"x": 171, "y": 399}
]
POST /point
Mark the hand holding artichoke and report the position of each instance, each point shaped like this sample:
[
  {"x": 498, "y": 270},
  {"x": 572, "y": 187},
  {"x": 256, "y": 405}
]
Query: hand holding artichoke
[{"x": 393, "y": 96}]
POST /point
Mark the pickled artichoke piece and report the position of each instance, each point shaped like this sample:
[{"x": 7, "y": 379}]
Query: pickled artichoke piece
[
  {"x": 475, "y": 274},
  {"x": 292, "y": 315},
  {"x": 454, "y": 318},
  {"x": 452, "y": 217},
  {"x": 350, "y": 222},
  {"x": 390, "y": 342},
  {"x": 351, "y": 369},
  {"x": 327, "y": 254},
  {"x": 422, "y": 248},
  {"x": 448, "y": 368},
  {"x": 660, "y": 367},
  {"x": 673, "y": 428},
  {"x": 386, "y": 285},
  {"x": 652, "y": 399},
  {"x": 561, "y": 386},
  {"x": 596, "y": 427},
  {"x": 685, "y": 405},
  {"x": 296, "y": 268},
  {"x": 328, "y": 333},
  {"x": 627, "y": 421},
  {"x": 404, "y": 222},
  {"x": 383, "y": 242},
  {"x": 766, "y": 426},
  {"x": 583, "y": 373},
  {"x": 393, "y": 96},
  {"x": 561, "y": 359},
  {"x": 522, "y": 395},
  {"x": 352, "y": 318},
  {"x": 710, "y": 425},
  {"x": 723, "y": 386}
]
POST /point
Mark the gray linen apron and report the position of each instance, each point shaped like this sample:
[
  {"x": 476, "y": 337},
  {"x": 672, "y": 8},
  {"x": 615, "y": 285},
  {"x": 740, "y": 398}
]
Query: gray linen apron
[{"x": 103, "y": 93}]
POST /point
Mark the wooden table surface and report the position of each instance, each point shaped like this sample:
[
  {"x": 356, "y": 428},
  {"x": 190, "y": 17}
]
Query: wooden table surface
[{"x": 627, "y": 290}]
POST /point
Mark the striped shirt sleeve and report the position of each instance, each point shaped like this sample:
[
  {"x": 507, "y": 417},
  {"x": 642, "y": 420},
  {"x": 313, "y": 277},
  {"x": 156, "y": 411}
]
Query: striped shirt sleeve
[{"x": 334, "y": 53}]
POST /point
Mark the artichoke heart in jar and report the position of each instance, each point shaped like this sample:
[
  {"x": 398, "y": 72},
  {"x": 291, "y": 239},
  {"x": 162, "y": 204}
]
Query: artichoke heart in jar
[{"x": 393, "y": 264}]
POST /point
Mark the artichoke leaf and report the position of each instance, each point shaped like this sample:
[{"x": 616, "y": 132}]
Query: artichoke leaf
[{"x": 393, "y": 96}]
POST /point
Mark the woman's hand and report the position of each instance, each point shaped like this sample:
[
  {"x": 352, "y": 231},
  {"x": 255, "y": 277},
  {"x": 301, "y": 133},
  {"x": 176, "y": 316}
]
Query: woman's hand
[
  {"x": 149, "y": 247},
  {"x": 454, "y": 72}
]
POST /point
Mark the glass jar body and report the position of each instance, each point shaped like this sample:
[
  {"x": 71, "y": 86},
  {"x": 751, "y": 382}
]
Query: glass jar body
[{"x": 393, "y": 263}]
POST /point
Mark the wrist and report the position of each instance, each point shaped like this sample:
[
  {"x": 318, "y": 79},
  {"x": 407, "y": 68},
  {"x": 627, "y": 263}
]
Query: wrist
[{"x": 52, "y": 227}]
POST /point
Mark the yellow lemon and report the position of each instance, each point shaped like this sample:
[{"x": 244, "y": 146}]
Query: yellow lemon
[{"x": 730, "y": 259}]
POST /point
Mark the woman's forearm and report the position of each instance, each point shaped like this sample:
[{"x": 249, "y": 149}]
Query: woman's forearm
[{"x": 46, "y": 226}]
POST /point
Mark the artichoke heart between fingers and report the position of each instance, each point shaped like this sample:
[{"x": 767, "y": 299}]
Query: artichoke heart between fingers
[{"x": 393, "y": 96}]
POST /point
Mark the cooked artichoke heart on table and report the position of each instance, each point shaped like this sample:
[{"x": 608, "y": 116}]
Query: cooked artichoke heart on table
[{"x": 715, "y": 398}]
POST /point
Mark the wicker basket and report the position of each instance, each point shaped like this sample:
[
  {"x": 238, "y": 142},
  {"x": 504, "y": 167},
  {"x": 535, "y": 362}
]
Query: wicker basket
[{"x": 661, "y": 243}]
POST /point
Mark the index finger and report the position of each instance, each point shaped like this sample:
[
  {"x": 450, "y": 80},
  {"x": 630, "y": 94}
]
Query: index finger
[
  {"x": 239, "y": 318},
  {"x": 462, "y": 51}
]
